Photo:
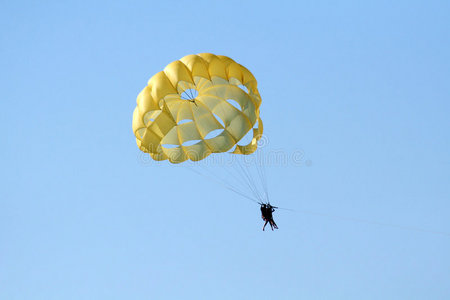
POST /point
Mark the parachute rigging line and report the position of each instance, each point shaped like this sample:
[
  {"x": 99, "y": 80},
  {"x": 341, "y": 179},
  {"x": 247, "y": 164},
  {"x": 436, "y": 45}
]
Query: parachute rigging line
[
  {"x": 250, "y": 181},
  {"x": 225, "y": 185}
]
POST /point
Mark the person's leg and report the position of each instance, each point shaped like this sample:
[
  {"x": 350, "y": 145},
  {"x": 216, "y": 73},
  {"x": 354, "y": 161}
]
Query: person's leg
[
  {"x": 265, "y": 224},
  {"x": 270, "y": 222},
  {"x": 274, "y": 224}
]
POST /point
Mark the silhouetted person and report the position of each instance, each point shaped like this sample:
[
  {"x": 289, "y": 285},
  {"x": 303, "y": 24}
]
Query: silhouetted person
[
  {"x": 263, "y": 211},
  {"x": 266, "y": 214}
]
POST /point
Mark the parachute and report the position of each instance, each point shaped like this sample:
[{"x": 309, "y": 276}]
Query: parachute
[{"x": 198, "y": 105}]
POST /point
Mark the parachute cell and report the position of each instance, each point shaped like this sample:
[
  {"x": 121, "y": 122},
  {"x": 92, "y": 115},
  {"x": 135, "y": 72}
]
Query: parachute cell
[{"x": 200, "y": 104}]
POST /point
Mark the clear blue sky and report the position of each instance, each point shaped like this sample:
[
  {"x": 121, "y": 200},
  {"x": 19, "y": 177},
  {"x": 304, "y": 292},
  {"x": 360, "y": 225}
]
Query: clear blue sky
[{"x": 361, "y": 87}]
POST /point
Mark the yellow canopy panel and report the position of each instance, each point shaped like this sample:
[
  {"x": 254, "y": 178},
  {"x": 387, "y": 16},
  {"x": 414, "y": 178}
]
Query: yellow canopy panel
[{"x": 198, "y": 105}]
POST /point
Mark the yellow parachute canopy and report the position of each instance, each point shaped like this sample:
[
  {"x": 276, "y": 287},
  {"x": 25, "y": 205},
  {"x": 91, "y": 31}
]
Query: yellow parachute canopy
[{"x": 200, "y": 104}]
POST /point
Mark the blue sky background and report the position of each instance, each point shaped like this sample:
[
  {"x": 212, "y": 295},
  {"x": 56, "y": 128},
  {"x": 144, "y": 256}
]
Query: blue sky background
[{"x": 360, "y": 87}]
